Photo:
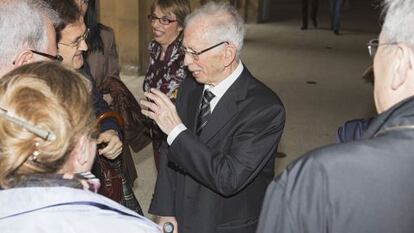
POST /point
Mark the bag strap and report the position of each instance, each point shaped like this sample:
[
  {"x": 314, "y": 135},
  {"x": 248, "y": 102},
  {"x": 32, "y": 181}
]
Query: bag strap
[{"x": 89, "y": 203}]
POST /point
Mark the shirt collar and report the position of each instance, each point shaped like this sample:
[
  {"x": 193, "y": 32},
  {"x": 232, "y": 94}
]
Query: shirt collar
[{"x": 222, "y": 87}]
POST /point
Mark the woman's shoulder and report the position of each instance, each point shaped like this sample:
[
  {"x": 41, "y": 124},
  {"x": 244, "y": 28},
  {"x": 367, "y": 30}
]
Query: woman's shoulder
[{"x": 106, "y": 31}]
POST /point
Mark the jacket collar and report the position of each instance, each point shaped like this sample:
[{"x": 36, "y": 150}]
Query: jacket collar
[{"x": 398, "y": 117}]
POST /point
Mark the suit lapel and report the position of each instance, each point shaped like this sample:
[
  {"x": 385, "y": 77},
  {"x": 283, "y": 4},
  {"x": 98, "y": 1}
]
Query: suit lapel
[{"x": 227, "y": 107}]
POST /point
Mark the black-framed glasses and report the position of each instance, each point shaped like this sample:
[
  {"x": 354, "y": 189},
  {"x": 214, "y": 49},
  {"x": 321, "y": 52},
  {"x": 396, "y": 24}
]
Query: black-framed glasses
[
  {"x": 195, "y": 55},
  {"x": 85, "y": 2},
  {"x": 163, "y": 20},
  {"x": 373, "y": 46},
  {"x": 79, "y": 40},
  {"x": 51, "y": 57}
]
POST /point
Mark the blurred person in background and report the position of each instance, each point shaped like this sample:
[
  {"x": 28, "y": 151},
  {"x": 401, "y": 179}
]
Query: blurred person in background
[{"x": 313, "y": 13}]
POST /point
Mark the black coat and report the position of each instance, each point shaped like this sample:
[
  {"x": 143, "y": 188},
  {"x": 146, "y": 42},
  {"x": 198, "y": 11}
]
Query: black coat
[
  {"x": 362, "y": 186},
  {"x": 216, "y": 182}
]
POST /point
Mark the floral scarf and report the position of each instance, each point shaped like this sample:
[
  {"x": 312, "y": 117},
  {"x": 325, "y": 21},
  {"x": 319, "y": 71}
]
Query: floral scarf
[{"x": 166, "y": 75}]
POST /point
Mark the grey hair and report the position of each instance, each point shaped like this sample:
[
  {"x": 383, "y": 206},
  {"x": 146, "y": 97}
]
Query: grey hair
[
  {"x": 22, "y": 26},
  {"x": 225, "y": 23},
  {"x": 398, "y": 21}
]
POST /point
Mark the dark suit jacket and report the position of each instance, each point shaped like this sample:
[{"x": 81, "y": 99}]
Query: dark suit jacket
[
  {"x": 356, "y": 187},
  {"x": 216, "y": 182}
]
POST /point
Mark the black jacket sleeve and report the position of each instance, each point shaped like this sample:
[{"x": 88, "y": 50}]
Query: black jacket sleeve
[{"x": 99, "y": 103}]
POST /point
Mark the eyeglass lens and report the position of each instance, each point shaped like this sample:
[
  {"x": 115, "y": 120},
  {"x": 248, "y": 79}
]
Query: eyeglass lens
[
  {"x": 195, "y": 54},
  {"x": 163, "y": 20},
  {"x": 372, "y": 47}
]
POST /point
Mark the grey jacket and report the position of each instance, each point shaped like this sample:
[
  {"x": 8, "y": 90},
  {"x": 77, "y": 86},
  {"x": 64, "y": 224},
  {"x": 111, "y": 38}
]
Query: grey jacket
[
  {"x": 52, "y": 209},
  {"x": 362, "y": 186}
]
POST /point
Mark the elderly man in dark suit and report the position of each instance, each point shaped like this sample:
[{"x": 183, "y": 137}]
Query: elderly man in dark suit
[
  {"x": 222, "y": 134},
  {"x": 365, "y": 185}
]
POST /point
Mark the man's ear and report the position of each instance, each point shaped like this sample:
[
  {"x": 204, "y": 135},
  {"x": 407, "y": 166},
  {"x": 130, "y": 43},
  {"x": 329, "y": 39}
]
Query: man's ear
[
  {"x": 229, "y": 54},
  {"x": 23, "y": 58},
  {"x": 403, "y": 66}
]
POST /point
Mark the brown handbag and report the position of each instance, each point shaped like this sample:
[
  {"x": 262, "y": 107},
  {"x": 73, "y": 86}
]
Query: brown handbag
[
  {"x": 111, "y": 182},
  {"x": 114, "y": 183},
  {"x": 105, "y": 169}
]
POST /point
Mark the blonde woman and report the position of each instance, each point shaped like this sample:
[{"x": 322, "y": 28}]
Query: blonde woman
[{"x": 47, "y": 147}]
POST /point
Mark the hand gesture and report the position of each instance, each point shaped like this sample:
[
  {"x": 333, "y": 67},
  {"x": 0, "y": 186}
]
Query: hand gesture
[{"x": 160, "y": 108}]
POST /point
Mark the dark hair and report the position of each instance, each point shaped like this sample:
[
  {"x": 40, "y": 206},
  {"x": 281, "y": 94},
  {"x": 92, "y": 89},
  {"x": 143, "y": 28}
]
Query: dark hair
[
  {"x": 68, "y": 12},
  {"x": 94, "y": 39},
  {"x": 180, "y": 8}
]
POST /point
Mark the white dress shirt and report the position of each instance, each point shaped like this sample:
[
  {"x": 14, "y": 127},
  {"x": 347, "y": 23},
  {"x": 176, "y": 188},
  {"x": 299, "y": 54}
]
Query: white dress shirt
[{"x": 218, "y": 92}]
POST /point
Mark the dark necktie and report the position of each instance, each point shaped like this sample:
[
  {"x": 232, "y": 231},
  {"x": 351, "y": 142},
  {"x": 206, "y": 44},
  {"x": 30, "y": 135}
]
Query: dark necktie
[{"x": 204, "y": 110}]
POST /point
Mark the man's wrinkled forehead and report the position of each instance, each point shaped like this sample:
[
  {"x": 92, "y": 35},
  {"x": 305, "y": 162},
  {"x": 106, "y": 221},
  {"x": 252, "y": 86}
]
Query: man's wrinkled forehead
[{"x": 196, "y": 32}]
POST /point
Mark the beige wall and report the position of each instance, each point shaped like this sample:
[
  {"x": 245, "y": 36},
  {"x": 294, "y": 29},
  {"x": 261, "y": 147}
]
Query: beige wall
[
  {"x": 128, "y": 18},
  {"x": 122, "y": 16}
]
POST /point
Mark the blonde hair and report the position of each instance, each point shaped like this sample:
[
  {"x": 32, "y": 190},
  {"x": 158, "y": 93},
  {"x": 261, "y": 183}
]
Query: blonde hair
[{"x": 53, "y": 98}]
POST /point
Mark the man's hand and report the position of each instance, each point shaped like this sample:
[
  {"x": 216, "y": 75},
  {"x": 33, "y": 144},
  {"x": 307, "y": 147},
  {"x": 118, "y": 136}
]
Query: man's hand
[
  {"x": 114, "y": 144},
  {"x": 161, "y": 220},
  {"x": 161, "y": 110}
]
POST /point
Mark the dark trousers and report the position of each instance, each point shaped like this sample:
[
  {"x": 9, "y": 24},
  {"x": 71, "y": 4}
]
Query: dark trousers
[
  {"x": 335, "y": 14},
  {"x": 313, "y": 12}
]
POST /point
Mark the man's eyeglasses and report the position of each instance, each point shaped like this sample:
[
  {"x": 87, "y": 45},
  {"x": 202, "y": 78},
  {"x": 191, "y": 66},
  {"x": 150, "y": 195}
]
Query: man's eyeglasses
[
  {"x": 77, "y": 42},
  {"x": 85, "y": 2},
  {"x": 195, "y": 55},
  {"x": 51, "y": 57},
  {"x": 373, "y": 46},
  {"x": 54, "y": 58},
  {"x": 163, "y": 20}
]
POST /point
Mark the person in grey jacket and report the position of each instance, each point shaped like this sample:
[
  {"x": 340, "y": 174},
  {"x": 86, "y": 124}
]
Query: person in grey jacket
[{"x": 365, "y": 185}]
